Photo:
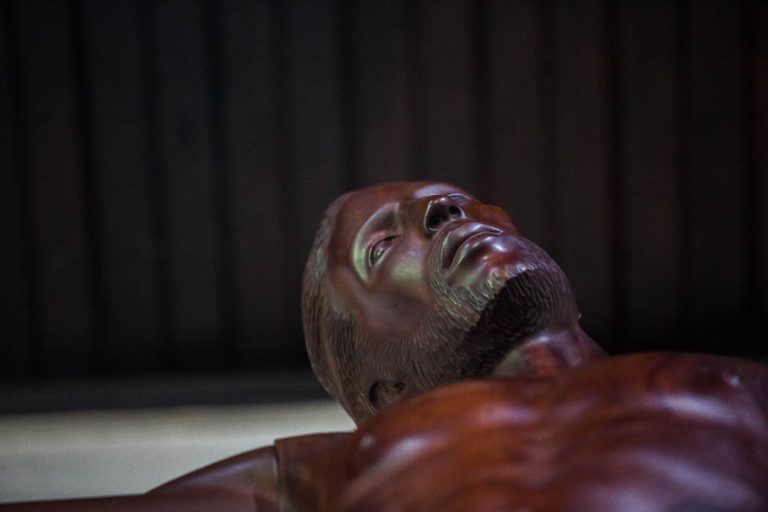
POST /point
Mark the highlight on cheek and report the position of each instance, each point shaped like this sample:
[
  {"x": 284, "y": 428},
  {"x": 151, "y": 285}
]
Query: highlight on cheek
[{"x": 408, "y": 271}]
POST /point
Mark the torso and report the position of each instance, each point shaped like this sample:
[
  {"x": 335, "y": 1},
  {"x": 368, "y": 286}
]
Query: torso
[{"x": 631, "y": 433}]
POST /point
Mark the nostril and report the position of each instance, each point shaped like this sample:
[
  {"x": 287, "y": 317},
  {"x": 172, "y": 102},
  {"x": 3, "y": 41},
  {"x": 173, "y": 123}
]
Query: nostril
[
  {"x": 439, "y": 212},
  {"x": 435, "y": 219}
]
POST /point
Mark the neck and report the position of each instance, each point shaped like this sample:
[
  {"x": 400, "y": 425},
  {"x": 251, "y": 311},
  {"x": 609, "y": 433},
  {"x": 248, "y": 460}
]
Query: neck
[{"x": 549, "y": 352}]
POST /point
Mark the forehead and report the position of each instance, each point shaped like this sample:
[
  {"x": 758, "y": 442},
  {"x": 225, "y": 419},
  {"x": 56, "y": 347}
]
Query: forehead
[{"x": 361, "y": 205}]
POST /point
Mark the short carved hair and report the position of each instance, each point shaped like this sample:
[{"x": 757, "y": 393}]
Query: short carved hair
[{"x": 332, "y": 336}]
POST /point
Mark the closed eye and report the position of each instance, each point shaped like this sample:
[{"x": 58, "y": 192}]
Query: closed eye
[{"x": 379, "y": 249}]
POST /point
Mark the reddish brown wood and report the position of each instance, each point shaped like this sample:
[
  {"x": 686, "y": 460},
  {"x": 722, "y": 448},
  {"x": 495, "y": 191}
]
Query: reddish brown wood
[
  {"x": 345, "y": 93},
  {"x": 654, "y": 431},
  {"x": 503, "y": 405}
]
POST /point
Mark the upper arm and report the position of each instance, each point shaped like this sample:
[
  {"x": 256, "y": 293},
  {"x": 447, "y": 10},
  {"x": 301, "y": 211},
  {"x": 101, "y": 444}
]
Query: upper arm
[
  {"x": 251, "y": 475},
  {"x": 243, "y": 483},
  {"x": 198, "y": 500}
]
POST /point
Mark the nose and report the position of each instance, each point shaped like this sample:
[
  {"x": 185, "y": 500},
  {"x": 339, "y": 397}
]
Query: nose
[{"x": 439, "y": 212}]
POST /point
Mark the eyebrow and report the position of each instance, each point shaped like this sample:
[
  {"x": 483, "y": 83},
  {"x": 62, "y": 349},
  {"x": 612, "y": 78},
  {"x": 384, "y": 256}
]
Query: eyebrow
[{"x": 385, "y": 217}]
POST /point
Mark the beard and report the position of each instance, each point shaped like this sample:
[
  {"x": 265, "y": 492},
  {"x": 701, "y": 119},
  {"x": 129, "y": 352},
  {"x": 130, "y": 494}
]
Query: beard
[{"x": 474, "y": 327}]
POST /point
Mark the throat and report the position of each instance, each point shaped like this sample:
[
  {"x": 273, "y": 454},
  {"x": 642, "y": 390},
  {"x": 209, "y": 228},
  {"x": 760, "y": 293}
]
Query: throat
[
  {"x": 529, "y": 328},
  {"x": 548, "y": 352}
]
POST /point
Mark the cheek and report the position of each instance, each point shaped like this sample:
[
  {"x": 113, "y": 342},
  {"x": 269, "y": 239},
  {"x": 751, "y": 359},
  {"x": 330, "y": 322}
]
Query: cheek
[
  {"x": 390, "y": 315},
  {"x": 400, "y": 296},
  {"x": 404, "y": 272}
]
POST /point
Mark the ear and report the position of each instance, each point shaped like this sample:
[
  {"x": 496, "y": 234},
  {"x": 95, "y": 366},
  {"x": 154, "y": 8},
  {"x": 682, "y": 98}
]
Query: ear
[{"x": 386, "y": 392}]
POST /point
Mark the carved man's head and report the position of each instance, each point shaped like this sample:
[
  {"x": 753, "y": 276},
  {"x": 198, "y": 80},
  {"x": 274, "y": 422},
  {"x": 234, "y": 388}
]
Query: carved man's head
[{"x": 413, "y": 285}]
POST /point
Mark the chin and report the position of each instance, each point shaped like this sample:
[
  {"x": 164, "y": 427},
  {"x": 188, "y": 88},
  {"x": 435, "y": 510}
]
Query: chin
[
  {"x": 495, "y": 298},
  {"x": 529, "y": 297}
]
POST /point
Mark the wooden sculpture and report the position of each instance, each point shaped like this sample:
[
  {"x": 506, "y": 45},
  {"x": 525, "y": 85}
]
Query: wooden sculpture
[{"x": 455, "y": 345}]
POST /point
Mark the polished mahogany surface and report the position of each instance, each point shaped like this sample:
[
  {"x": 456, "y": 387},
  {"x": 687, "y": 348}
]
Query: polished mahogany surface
[
  {"x": 660, "y": 432},
  {"x": 455, "y": 344},
  {"x": 413, "y": 285}
]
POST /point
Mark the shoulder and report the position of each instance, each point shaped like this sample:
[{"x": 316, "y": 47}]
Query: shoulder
[
  {"x": 264, "y": 473},
  {"x": 633, "y": 380},
  {"x": 662, "y": 373},
  {"x": 305, "y": 465},
  {"x": 236, "y": 473},
  {"x": 653, "y": 392},
  {"x": 663, "y": 427}
]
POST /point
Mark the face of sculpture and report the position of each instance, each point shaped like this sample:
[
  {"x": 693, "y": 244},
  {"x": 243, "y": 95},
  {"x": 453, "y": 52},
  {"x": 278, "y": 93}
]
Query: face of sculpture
[
  {"x": 419, "y": 266},
  {"x": 393, "y": 244}
]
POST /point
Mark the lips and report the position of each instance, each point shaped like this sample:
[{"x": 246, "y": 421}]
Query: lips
[{"x": 461, "y": 239}]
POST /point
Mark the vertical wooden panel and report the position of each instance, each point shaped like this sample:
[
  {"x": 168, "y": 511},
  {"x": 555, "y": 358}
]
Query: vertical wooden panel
[
  {"x": 581, "y": 146},
  {"x": 56, "y": 184},
  {"x": 120, "y": 167},
  {"x": 316, "y": 140},
  {"x": 448, "y": 70},
  {"x": 254, "y": 187},
  {"x": 515, "y": 116},
  {"x": 243, "y": 178},
  {"x": 189, "y": 183},
  {"x": 759, "y": 146},
  {"x": 15, "y": 335},
  {"x": 382, "y": 92},
  {"x": 648, "y": 69},
  {"x": 716, "y": 170}
]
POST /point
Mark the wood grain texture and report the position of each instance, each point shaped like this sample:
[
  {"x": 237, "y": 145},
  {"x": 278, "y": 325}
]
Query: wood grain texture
[
  {"x": 255, "y": 186},
  {"x": 127, "y": 251},
  {"x": 184, "y": 115},
  {"x": 581, "y": 146},
  {"x": 316, "y": 141},
  {"x": 650, "y": 193},
  {"x": 716, "y": 171},
  {"x": 166, "y": 163},
  {"x": 382, "y": 92},
  {"x": 54, "y": 161},
  {"x": 449, "y": 104},
  {"x": 15, "y": 305},
  {"x": 678, "y": 432},
  {"x": 514, "y": 114},
  {"x": 759, "y": 159}
]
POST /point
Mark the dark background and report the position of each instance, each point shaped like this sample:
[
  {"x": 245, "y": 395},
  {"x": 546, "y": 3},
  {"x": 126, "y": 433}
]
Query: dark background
[{"x": 164, "y": 164}]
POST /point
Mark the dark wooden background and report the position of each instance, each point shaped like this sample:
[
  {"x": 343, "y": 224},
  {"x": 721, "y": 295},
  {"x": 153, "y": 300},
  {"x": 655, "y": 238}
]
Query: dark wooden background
[{"x": 163, "y": 164}]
